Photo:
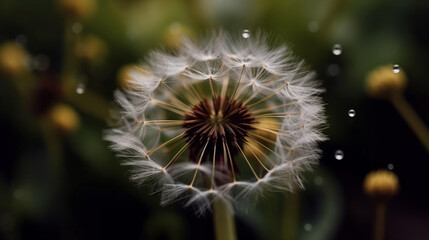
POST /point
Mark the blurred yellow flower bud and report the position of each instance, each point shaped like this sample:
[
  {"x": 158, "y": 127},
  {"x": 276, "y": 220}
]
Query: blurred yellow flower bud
[
  {"x": 13, "y": 59},
  {"x": 64, "y": 118},
  {"x": 381, "y": 184},
  {"x": 383, "y": 82},
  {"x": 77, "y": 9},
  {"x": 91, "y": 49},
  {"x": 174, "y": 35}
]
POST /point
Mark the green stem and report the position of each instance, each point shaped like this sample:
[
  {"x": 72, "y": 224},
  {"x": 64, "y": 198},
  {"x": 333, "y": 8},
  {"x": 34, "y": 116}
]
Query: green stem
[
  {"x": 223, "y": 221},
  {"x": 413, "y": 120},
  {"x": 290, "y": 217},
  {"x": 380, "y": 221}
]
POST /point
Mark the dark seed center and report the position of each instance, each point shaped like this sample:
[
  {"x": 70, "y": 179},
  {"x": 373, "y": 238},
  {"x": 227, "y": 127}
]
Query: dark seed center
[{"x": 222, "y": 124}]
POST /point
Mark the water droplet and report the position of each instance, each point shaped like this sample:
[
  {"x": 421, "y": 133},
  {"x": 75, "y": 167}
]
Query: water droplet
[
  {"x": 336, "y": 49},
  {"x": 308, "y": 227},
  {"x": 390, "y": 166},
  {"x": 313, "y": 26},
  {"x": 396, "y": 68},
  {"x": 77, "y": 27},
  {"x": 352, "y": 113},
  {"x": 80, "y": 88},
  {"x": 318, "y": 181},
  {"x": 333, "y": 70},
  {"x": 339, "y": 155},
  {"x": 246, "y": 33}
]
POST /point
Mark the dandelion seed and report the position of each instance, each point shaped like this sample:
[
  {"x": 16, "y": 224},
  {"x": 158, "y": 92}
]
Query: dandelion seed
[{"x": 224, "y": 120}]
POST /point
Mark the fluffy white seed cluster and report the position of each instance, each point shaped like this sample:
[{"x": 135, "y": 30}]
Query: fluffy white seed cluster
[{"x": 195, "y": 155}]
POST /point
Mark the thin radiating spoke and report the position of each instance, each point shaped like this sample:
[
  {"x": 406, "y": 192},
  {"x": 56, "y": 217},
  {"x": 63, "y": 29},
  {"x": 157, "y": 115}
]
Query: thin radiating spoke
[
  {"x": 199, "y": 164},
  {"x": 257, "y": 158},
  {"x": 238, "y": 82},
  {"x": 165, "y": 144},
  {"x": 268, "y": 109},
  {"x": 213, "y": 166},
  {"x": 177, "y": 155},
  {"x": 226, "y": 149},
  {"x": 268, "y": 96},
  {"x": 247, "y": 160},
  {"x": 270, "y": 141}
]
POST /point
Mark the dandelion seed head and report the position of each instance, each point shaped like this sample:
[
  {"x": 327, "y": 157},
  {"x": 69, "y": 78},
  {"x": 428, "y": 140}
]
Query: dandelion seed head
[{"x": 227, "y": 119}]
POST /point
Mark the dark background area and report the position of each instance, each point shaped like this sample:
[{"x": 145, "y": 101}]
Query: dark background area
[{"x": 57, "y": 184}]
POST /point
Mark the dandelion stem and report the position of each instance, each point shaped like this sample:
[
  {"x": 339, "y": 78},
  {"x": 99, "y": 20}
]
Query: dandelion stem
[
  {"x": 413, "y": 120},
  {"x": 290, "y": 217},
  {"x": 380, "y": 220},
  {"x": 223, "y": 221}
]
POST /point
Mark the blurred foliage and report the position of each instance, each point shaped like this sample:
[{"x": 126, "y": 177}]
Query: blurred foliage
[{"x": 56, "y": 183}]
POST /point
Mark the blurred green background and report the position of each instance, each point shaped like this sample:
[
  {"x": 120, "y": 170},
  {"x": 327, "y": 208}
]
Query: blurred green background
[{"x": 60, "y": 62}]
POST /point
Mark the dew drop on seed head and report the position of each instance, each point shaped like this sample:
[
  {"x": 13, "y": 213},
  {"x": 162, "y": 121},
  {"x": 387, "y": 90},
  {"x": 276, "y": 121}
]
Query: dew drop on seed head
[
  {"x": 396, "y": 68},
  {"x": 246, "y": 33},
  {"x": 80, "y": 88},
  {"x": 308, "y": 227},
  {"x": 352, "y": 113},
  {"x": 390, "y": 166},
  {"x": 339, "y": 155},
  {"x": 336, "y": 49}
]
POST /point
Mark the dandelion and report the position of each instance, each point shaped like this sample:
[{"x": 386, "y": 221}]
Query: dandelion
[{"x": 222, "y": 121}]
